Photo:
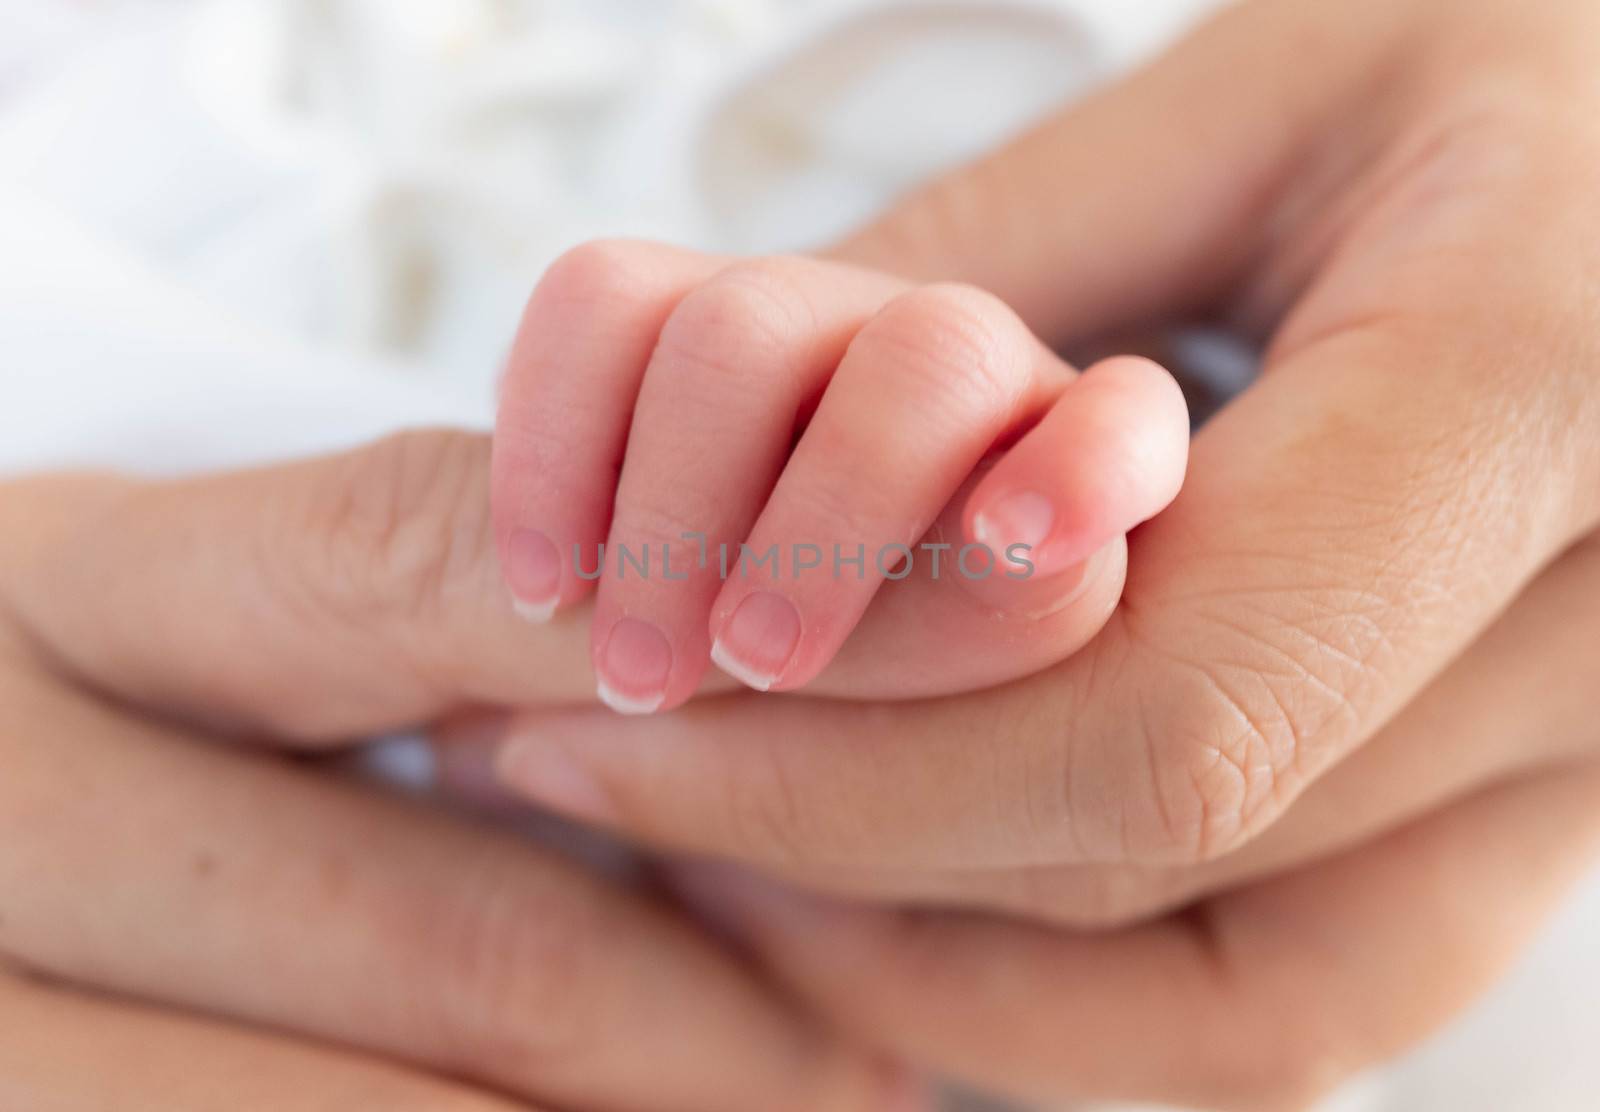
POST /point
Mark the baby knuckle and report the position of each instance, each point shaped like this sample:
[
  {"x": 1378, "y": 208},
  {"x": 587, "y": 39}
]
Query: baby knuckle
[
  {"x": 954, "y": 343},
  {"x": 831, "y": 490},
  {"x": 742, "y": 320},
  {"x": 593, "y": 276},
  {"x": 667, "y": 528}
]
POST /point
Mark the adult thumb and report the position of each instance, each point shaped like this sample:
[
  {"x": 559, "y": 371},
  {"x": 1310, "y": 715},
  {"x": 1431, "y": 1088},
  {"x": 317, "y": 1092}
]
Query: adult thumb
[{"x": 1146, "y": 197}]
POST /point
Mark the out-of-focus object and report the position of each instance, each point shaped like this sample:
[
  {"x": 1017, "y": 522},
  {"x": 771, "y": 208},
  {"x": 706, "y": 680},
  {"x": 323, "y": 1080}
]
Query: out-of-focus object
[{"x": 389, "y": 177}]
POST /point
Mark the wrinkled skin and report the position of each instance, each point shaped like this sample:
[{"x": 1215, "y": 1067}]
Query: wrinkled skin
[{"x": 282, "y": 937}]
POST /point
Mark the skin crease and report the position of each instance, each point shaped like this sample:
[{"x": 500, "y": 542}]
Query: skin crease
[{"x": 349, "y": 595}]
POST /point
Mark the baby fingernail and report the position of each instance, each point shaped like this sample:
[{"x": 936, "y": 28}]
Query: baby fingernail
[
  {"x": 634, "y": 666},
  {"x": 1020, "y": 518},
  {"x": 533, "y": 572},
  {"x": 758, "y": 640},
  {"x": 1024, "y": 518}
]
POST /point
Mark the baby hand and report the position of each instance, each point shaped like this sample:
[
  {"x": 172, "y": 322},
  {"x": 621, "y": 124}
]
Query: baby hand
[{"x": 740, "y": 453}]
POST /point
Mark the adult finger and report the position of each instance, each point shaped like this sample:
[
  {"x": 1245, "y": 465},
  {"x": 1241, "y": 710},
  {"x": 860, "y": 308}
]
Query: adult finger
[
  {"x": 315, "y": 600},
  {"x": 143, "y": 861},
  {"x": 1262, "y": 998},
  {"x": 1144, "y": 198},
  {"x": 1519, "y": 700},
  {"x": 69, "y": 1051},
  {"x": 360, "y": 592}
]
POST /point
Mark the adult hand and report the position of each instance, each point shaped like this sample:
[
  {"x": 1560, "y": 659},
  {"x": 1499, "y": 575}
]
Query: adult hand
[
  {"x": 1419, "y": 451},
  {"x": 1375, "y": 598},
  {"x": 226, "y": 889}
]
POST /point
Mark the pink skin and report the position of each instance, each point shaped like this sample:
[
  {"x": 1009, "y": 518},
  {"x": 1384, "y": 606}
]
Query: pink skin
[
  {"x": 1110, "y": 454},
  {"x": 925, "y": 390},
  {"x": 565, "y": 405},
  {"x": 691, "y": 375},
  {"x": 737, "y": 362}
]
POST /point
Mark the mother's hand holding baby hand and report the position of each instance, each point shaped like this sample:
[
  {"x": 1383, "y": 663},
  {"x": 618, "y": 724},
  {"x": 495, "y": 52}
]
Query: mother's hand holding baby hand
[
  {"x": 1359, "y": 645},
  {"x": 285, "y": 939}
]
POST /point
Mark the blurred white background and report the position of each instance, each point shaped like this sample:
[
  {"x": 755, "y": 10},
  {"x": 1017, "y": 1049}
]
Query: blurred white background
[
  {"x": 383, "y": 180},
  {"x": 236, "y": 229}
]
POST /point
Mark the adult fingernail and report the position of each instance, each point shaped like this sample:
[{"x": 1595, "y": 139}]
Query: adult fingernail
[
  {"x": 546, "y": 773},
  {"x": 533, "y": 572},
  {"x": 634, "y": 666},
  {"x": 758, "y": 640},
  {"x": 1023, "y": 518}
]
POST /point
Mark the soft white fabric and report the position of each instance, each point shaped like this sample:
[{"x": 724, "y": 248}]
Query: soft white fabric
[{"x": 238, "y": 229}]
